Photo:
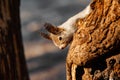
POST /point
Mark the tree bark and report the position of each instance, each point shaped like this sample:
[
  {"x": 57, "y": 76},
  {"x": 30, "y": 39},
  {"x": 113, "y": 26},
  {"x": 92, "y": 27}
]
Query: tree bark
[
  {"x": 95, "y": 51},
  {"x": 12, "y": 60}
]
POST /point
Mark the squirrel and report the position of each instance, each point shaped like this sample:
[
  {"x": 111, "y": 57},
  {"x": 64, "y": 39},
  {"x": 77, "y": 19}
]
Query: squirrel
[{"x": 63, "y": 34}]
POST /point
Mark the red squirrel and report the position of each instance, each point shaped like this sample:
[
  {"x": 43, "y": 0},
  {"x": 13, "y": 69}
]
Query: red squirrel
[{"x": 63, "y": 34}]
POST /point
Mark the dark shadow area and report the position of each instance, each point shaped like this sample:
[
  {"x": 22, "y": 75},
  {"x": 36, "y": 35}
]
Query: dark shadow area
[{"x": 79, "y": 73}]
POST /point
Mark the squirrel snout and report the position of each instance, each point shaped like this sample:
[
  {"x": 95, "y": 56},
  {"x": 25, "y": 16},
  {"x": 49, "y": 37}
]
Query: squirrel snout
[{"x": 62, "y": 47}]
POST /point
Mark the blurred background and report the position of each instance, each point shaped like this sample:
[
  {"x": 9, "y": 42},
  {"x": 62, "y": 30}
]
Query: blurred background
[{"x": 44, "y": 60}]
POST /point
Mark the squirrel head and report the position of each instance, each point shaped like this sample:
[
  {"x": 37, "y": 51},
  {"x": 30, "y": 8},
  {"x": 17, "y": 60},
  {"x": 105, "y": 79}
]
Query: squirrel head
[{"x": 60, "y": 37}]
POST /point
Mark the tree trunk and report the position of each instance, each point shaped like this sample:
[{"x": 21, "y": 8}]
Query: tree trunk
[
  {"x": 95, "y": 51},
  {"x": 12, "y": 60}
]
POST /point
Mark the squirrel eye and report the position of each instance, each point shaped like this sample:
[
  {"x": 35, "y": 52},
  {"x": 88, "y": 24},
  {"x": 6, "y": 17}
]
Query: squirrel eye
[{"x": 60, "y": 38}]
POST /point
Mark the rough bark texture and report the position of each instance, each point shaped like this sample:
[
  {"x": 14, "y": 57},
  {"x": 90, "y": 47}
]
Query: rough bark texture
[
  {"x": 95, "y": 51},
  {"x": 12, "y": 60}
]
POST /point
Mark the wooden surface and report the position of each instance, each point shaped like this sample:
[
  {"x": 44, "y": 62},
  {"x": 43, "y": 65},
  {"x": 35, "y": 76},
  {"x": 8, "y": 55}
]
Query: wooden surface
[
  {"x": 96, "y": 40},
  {"x": 12, "y": 60}
]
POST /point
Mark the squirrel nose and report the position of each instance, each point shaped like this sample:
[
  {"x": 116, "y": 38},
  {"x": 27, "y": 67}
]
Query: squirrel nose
[{"x": 61, "y": 47}]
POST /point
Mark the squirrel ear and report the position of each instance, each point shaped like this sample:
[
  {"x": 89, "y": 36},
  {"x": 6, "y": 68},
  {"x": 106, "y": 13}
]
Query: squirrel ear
[
  {"x": 47, "y": 36},
  {"x": 49, "y": 27}
]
